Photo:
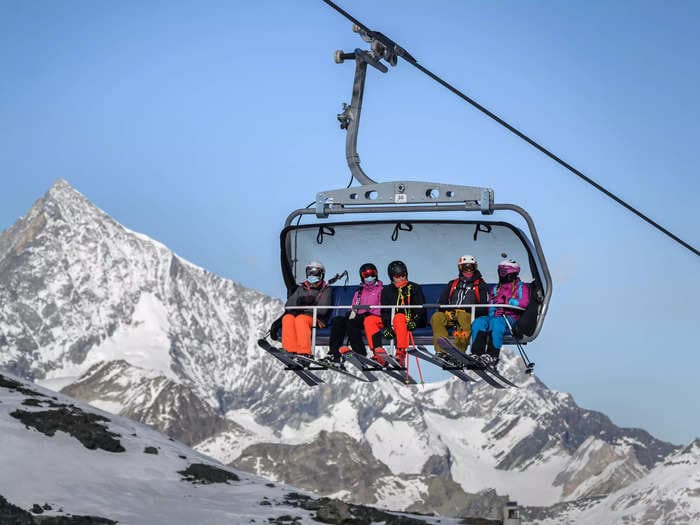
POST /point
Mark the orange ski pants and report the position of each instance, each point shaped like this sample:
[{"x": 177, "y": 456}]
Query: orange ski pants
[
  {"x": 296, "y": 333},
  {"x": 401, "y": 331},
  {"x": 372, "y": 324}
]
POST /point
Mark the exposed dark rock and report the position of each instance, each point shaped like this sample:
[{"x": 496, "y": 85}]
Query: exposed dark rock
[
  {"x": 338, "y": 512},
  {"x": 445, "y": 497},
  {"x": 332, "y": 462},
  {"x": 205, "y": 474},
  {"x": 33, "y": 402},
  {"x": 19, "y": 387},
  {"x": 271, "y": 485},
  {"x": 529, "y": 514},
  {"x": 10, "y": 513},
  {"x": 282, "y": 520},
  {"x": 81, "y": 425},
  {"x": 73, "y": 520},
  {"x": 150, "y": 450},
  {"x": 438, "y": 466}
]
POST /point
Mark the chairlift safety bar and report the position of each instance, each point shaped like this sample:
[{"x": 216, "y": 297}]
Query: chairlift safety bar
[{"x": 393, "y": 308}]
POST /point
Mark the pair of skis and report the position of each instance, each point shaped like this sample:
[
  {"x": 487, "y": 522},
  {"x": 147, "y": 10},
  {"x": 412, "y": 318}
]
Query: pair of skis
[
  {"x": 454, "y": 361},
  {"x": 304, "y": 367},
  {"x": 457, "y": 363},
  {"x": 392, "y": 367}
]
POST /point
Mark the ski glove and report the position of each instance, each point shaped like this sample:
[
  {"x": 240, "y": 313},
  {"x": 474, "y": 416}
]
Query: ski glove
[
  {"x": 411, "y": 325},
  {"x": 388, "y": 333}
]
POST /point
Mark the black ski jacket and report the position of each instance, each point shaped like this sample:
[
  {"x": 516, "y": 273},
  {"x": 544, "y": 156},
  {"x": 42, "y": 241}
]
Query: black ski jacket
[
  {"x": 307, "y": 295},
  {"x": 464, "y": 291},
  {"x": 412, "y": 293}
]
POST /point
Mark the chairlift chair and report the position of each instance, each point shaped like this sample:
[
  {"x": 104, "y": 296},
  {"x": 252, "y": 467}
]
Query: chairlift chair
[{"x": 385, "y": 222}]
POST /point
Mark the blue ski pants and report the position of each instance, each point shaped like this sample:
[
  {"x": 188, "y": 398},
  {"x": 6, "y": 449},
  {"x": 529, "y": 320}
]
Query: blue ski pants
[{"x": 496, "y": 325}]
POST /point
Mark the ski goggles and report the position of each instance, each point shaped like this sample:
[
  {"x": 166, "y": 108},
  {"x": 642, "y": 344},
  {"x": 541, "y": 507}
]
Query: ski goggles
[
  {"x": 503, "y": 271},
  {"x": 317, "y": 272},
  {"x": 467, "y": 267},
  {"x": 368, "y": 273}
]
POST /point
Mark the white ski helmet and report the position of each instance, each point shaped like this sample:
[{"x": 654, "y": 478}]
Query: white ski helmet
[
  {"x": 315, "y": 268},
  {"x": 466, "y": 259}
]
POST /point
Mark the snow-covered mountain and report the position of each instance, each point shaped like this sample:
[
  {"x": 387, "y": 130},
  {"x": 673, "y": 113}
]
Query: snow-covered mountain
[
  {"x": 122, "y": 322},
  {"x": 77, "y": 288},
  {"x": 669, "y": 494},
  {"x": 64, "y": 460}
]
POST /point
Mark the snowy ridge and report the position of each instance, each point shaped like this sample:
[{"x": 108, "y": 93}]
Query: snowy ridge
[
  {"x": 132, "y": 328},
  {"x": 151, "y": 398}
]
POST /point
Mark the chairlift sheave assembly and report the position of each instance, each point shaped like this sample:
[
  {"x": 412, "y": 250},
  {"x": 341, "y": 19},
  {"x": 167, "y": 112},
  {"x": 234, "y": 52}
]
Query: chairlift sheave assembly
[{"x": 417, "y": 222}]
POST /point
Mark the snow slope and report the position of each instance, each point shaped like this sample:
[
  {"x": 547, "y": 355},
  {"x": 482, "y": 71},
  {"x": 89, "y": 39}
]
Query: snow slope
[{"x": 132, "y": 487}]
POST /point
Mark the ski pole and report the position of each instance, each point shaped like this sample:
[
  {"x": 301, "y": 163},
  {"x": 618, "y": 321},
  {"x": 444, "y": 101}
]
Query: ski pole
[
  {"x": 420, "y": 372},
  {"x": 529, "y": 365}
]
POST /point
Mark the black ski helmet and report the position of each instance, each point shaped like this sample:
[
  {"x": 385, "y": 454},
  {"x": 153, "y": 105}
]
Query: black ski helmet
[
  {"x": 397, "y": 268},
  {"x": 365, "y": 267}
]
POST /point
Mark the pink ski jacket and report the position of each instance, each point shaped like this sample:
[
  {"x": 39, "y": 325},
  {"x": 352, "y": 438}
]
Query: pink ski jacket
[
  {"x": 516, "y": 293},
  {"x": 369, "y": 294}
]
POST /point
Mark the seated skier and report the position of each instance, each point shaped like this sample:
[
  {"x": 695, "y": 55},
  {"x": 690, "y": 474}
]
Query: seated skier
[
  {"x": 351, "y": 325},
  {"x": 401, "y": 292},
  {"x": 510, "y": 290},
  {"x": 296, "y": 324},
  {"x": 467, "y": 288}
]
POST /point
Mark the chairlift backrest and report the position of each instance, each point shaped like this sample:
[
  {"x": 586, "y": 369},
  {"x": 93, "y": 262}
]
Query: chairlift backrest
[{"x": 430, "y": 248}]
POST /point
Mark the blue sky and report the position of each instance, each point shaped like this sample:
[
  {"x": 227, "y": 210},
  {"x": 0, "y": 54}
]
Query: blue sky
[{"x": 204, "y": 124}]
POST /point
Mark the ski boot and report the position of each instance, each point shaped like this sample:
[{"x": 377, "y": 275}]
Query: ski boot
[
  {"x": 401, "y": 357},
  {"x": 378, "y": 355},
  {"x": 332, "y": 361}
]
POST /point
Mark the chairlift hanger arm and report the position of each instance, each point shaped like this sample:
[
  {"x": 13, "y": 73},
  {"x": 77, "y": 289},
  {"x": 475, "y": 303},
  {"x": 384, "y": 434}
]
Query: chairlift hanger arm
[
  {"x": 350, "y": 117},
  {"x": 389, "y": 50}
]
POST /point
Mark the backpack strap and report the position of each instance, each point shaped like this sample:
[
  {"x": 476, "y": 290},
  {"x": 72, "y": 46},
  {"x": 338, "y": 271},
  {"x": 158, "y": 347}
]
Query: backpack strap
[
  {"x": 453, "y": 286},
  {"x": 477, "y": 293},
  {"x": 475, "y": 284}
]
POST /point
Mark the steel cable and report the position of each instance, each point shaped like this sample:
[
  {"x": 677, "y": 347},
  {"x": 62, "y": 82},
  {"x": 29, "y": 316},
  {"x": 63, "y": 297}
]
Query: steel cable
[{"x": 400, "y": 51}]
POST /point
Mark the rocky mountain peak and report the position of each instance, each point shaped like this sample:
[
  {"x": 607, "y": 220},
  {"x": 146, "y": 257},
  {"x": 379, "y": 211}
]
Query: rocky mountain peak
[
  {"x": 76, "y": 287},
  {"x": 61, "y": 210},
  {"x": 692, "y": 450}
]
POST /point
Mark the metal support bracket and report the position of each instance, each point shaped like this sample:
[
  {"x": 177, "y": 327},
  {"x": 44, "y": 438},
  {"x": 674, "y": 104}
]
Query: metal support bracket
[{"x": 411, "y": 193}]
